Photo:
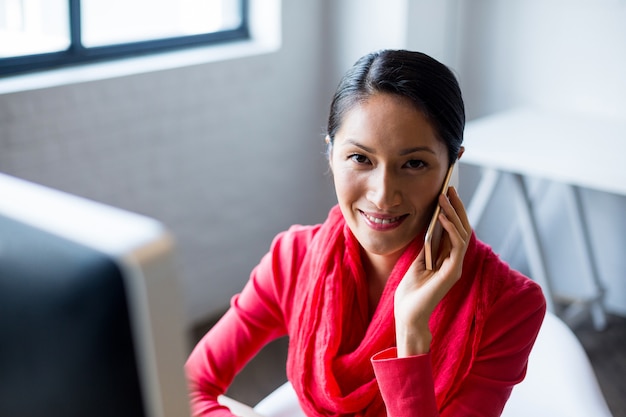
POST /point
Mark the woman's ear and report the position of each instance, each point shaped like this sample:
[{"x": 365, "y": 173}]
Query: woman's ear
[
  {"x": 461, "y": 151},
  {"x": 329, "y": 150}
]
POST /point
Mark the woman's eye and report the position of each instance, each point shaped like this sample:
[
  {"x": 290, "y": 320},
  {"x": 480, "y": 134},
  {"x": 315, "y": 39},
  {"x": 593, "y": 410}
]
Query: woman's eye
[
  {"x": 415, "y": 163},
  {"x": 358, "y": 158}
]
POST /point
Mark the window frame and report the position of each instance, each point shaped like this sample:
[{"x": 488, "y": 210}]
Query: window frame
[{"x": 77, "y": 54}]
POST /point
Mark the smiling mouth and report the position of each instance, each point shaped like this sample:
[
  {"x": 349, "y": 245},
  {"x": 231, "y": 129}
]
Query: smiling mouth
[
  {"x": 383, "y": 222},
  {"x": 378, "y": 220}
]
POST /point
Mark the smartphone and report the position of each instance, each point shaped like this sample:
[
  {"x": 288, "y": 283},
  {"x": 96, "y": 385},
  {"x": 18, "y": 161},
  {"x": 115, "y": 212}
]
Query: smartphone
[{"x": 434, "y": 231}]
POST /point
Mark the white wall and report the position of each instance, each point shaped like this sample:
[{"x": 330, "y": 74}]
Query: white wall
[
  {"x": 566, "y": 54},
  {"x": 361, "y": 26},
  {"x": 226, "y": 154}
]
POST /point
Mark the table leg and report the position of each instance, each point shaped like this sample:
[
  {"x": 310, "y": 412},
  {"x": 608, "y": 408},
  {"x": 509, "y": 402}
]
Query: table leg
[
  {"x": 512, "y": 236},
  {"x": 488, "y": 181},
  {"x": 595, "y": 303},
  {"x": 530, "y": 237},
  {"x": 476, "y": 208},
  {"x": 532, "y": 244}
]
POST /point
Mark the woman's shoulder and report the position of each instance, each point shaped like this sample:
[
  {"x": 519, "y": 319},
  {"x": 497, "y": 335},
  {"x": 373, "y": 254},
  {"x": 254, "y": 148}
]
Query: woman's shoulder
[
  {"x": 289, "y": 248},
  {"x": 504, "y": 282},
  {"x": 297, "y": 237},
  {"x": 512, "y": 303},
  {"x": 301, "y": 235}
]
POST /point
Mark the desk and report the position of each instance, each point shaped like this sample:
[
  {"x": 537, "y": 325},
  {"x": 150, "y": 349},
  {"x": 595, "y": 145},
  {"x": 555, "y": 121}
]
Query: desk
[{"x": 578, "y": 152}]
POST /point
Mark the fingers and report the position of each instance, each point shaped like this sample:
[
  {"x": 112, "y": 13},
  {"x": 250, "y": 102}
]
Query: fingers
[
  {"x": 421, "y": 290},
  {"x": 455, "y": 199},
  {"x": 454, "y": 211},
  {"x": 455, "y": 222}
]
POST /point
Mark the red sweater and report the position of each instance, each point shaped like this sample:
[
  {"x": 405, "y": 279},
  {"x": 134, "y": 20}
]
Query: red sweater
[{"x": 263, "y": 312}]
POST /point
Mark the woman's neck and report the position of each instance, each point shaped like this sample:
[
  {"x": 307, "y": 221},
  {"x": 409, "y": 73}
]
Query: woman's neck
[{"x": 377, "y": 269}]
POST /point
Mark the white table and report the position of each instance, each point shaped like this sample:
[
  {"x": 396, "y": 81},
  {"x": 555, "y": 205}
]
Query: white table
[{"x": 576, "y": 151}]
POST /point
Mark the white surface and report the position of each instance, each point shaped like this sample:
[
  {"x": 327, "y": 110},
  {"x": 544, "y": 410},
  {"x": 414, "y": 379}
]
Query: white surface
[
  {"x": 569, "y": 148},
  {"x": 237, "y": 408},
  {"x": 560, "y": 381},
  {"x": 282, "y": 402},
  {"x": 110, "y": 230}
]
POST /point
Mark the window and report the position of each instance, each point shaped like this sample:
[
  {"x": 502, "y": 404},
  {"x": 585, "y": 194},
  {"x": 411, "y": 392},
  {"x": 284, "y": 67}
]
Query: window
[{"x": 38, "y": 34}]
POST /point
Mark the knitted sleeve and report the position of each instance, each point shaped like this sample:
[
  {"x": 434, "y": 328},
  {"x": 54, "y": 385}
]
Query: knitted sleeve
[
  {"x": 256, "y": 316},
  {"x": 408, "y": 386}
]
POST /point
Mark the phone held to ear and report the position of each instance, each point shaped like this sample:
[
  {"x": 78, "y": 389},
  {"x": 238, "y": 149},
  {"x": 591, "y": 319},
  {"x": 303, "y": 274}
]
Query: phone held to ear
[{"x": 435, "y": 230}]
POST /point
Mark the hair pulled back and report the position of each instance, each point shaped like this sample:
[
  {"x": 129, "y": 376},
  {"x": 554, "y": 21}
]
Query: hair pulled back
[{"x": 428, "y": 84}]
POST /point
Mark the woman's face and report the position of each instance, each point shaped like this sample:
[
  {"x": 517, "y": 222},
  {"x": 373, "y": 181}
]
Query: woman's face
[{"x": 388, "y": 168}]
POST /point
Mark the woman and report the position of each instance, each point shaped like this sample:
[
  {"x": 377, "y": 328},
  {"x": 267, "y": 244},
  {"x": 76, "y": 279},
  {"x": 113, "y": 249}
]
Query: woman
[{"x": 372, "y": 331}]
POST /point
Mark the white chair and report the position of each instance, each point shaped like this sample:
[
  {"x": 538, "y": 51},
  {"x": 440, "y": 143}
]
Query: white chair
[
  {"x": 560, "y": 382},
  {"x": 282, "y": 402}
]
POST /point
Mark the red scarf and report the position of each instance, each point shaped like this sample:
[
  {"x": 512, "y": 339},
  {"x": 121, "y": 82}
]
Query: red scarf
[{"x": 333, "y": 338}]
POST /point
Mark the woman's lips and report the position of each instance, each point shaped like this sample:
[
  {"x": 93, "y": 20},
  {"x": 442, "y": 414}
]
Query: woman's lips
[{"x": 381, "y": 222}]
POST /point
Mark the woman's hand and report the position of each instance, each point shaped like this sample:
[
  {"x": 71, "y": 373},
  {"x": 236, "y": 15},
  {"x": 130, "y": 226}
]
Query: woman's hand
[{"x": 421, "y": 290}]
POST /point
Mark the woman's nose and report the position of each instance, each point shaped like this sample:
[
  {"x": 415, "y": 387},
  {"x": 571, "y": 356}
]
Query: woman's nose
[{"x": 383, "y": 189}]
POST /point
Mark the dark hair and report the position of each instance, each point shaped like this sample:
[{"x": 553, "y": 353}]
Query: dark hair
[{"x": 424, "y": 81}]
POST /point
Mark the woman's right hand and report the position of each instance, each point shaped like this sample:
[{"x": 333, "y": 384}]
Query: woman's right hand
[{"x": 420, "y": 290}]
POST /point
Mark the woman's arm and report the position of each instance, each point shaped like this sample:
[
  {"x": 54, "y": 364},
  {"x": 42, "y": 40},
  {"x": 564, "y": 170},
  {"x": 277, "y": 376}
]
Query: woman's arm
[
  {"x": 506, "y": 340},
  {"x": 256, "y": 316},
  {"x": 227, "y": 347},
  {"x": 408, "y": 386}
]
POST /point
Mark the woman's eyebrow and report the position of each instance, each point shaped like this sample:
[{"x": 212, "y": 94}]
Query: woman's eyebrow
[
  {"x": 402, "y": 152},
  {"x": 417, "y": 149},
  {"x": 360, "y": 145}
]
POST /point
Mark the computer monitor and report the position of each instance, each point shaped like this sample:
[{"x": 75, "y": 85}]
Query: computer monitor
[{"x": 91, "y": 320}]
